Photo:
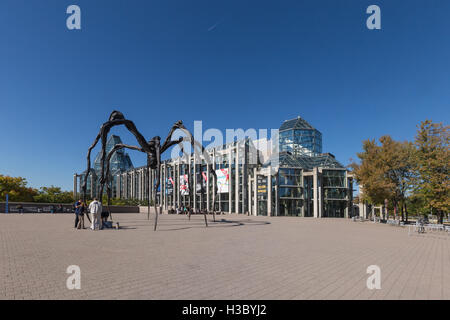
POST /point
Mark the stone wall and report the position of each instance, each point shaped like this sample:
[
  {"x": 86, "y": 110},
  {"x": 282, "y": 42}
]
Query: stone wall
[{"x": 33, "y": 207}]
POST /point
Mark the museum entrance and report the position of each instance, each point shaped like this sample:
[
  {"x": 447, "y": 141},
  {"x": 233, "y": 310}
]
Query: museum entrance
[{"x": 290, "y": 207}]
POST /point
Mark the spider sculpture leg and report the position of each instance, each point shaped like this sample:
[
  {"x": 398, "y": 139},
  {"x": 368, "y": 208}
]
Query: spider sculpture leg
[
  {"x": 201, "y": 203},
  {"x": 105, "y": 179},
  {"x": 88, "y": 170},
  {"x": 194, "y": 144},
  {"x": 116, "y": 118},
  {"x": 144, "y": 147},
  {"x": 148, "y": 187},
  {"x": 108, "y": 193},
  {"x": 103, "y": 133},
  {"x": 155, "y": 196},
  {"x": 180, "y": 144},
  {"x": 158, "y": 171}
]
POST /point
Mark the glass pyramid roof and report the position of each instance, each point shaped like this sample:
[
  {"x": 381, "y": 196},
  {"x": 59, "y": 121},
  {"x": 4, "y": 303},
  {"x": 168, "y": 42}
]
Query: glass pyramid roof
[
  {"x": 287, "y": 160},
  {"x": 297, "y": 123}
]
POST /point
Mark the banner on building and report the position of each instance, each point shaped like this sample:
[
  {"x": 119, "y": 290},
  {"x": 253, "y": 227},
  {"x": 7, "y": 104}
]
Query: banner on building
[
  {"x": 169, "y": 186},
  {"x": 261, "y": 188},
  {"x": 223, "y": 180},
  {"x": 184, "y": 185},
  {"x": 200, "y": 182}
]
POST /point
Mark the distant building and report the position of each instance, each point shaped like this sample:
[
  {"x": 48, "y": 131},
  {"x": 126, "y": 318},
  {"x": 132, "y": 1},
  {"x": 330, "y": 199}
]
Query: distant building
[
  {"x": 299, "y": 180},
  {"x": 120, "y": 162}
]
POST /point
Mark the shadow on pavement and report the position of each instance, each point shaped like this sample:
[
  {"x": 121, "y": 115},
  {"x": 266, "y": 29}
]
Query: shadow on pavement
[{"x": 184, "y": 223}]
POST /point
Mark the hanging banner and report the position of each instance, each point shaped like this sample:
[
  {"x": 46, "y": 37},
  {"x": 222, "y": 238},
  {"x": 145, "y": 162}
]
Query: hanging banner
[
  {"x": 169, "y": 186},
  {"x": 184, "y": 185},
  {"x": 261, "y": 188},
  {"x": 223, "y": 180},
  {"x": 201, "y": 183}
]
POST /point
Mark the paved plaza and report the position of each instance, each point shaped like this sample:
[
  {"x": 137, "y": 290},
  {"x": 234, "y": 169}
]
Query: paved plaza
[{"x": 239, "y": 257}]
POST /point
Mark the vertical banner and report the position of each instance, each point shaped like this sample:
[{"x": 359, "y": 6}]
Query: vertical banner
[
  {"x": 223, "y": 180},
  {"x": 261, "y": 187},
  {"x": 7, "y": 203},
  {"x": 169, "y": 186},
  {"x": 184, "y": 185},
  {"x": 201, "y": 182}
]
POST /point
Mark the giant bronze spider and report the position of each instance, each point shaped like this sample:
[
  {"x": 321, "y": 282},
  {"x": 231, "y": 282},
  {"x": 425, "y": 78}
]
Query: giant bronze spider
[{"x": 153, "y": 149}]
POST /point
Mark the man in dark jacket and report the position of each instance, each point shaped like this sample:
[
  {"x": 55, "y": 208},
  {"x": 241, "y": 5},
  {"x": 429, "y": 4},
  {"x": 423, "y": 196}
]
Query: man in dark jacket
[{"x": 77, "y": 211}]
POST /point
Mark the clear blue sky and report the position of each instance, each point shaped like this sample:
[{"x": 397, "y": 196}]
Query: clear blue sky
[{"x": 232, "y": 64}]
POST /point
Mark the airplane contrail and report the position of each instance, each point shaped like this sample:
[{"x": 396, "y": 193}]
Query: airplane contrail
[{"x": 215, "y": 25}]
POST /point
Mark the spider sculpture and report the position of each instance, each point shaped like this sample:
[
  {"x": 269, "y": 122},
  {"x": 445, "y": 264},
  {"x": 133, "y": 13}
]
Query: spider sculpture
[{"x": 153, "y": 149}]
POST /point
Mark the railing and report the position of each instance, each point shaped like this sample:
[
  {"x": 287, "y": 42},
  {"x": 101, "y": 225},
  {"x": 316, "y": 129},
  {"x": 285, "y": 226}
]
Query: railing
[
  {"x": 428, "y": 228},
  {"x": 358, "y": 219}
]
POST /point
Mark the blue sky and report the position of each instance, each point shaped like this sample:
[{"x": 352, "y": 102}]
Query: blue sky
[{"x": 231, "y": 64}]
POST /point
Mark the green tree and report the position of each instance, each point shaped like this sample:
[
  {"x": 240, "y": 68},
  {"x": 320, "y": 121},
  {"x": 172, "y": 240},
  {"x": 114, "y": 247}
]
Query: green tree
[
  {"x": 397, "y": 161},
  {"x": 53, "y": 195},
  {"x": 369, "y": 174},
  {"x": 432, "y": 159},
  {"x": 16, "y": 188},
  {"x": 385, "y": 172}
]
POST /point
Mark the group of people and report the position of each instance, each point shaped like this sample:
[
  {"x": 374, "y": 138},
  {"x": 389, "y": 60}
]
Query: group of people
[
  {"x": 95, "y": 210},
  {"x": 184, "y": 210}
]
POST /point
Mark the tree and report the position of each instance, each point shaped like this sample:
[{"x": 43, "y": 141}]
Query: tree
[
  {"x": 369, "y": 174},
  {"x": 16, "y": 188},
  {"x": 53, "y": 195},
  {"x": 385, "y": 172},
  {"x": 432, "y": 159},
  {"x": 397, "y": 161}
]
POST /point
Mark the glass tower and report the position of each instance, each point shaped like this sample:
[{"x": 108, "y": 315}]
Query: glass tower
[
  {"x": 299, "y": 138},
  {"x": 120, "y": 161}
]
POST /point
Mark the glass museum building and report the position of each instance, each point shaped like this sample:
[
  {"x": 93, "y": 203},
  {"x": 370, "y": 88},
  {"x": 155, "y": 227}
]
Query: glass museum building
[{"x": 298, "y": 179}]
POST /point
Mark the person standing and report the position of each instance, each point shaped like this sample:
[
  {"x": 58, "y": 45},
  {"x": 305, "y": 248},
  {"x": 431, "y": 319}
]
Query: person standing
[
  {"x": 95, "y": 208},
  {"x": 77, "y": 212},
  {"x": 81, "y": 213}
]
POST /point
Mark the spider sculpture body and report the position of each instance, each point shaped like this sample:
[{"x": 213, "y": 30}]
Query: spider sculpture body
[{"x": 152, "y": 148}]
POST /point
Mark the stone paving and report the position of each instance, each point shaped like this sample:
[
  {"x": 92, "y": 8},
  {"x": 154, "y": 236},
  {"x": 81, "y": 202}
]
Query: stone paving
[{"x": 240, "y": 257}]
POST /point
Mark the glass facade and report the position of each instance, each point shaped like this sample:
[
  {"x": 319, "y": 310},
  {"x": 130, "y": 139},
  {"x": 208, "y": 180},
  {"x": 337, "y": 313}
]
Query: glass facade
[
  {"x": 119, "y": 162},
  {"x": 299, "y": 138},
  {"x": 334, "y": 193},
  {"x": 301, "y": 142},
  {"x": 290, "y": 192}
]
